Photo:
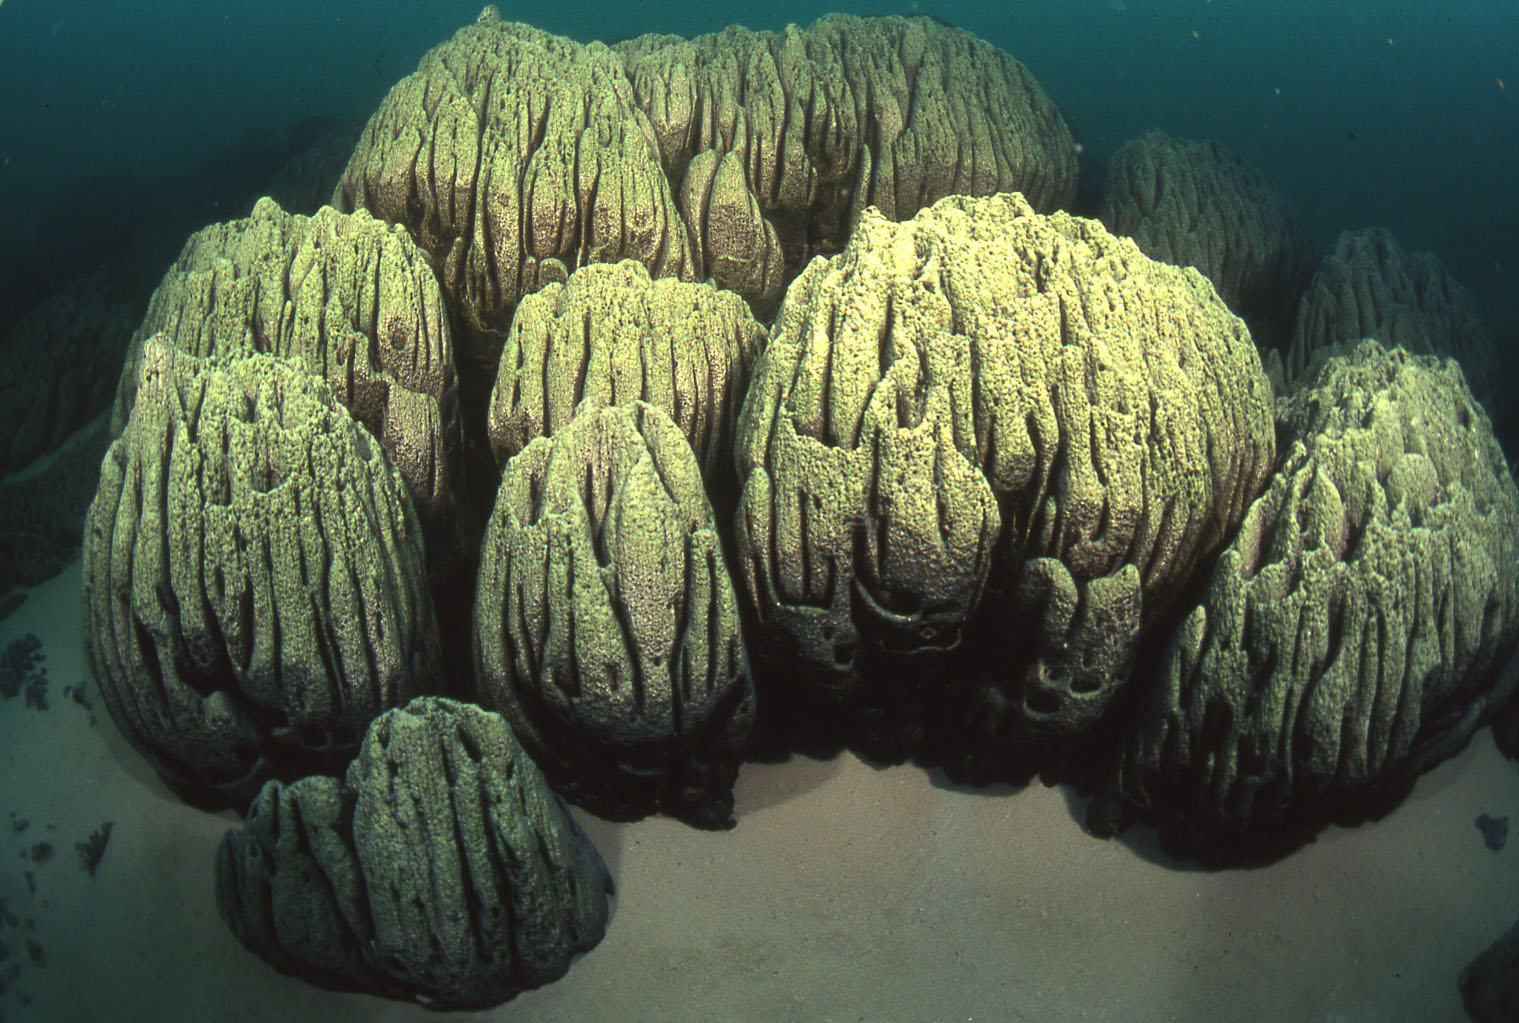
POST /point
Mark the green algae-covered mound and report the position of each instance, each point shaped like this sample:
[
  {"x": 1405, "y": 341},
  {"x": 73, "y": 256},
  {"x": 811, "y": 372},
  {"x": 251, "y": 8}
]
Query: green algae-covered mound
[
  {"x": 515, "y": 156},
  {"x": 254, "y": 593},
  {"x": 607, "y": 629},
  {"x": 1371, "y": 287},
  {"x": 987, "y": 396},
  {"x": 776, "y": 142},
  {"x": 349, "y": 298},
  {"x": 612, "y": 335},
  {"x": 1196, "y": 204},
  {"x": 1356, "y": 630},
  {"x": 441, "y": 871}
]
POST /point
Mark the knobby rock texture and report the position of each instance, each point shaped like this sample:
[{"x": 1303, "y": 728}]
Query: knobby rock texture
[
  {"x": 1358, "y": 629},
  {"x": 515, "y": 156},
  {"x": 1371, "y": 287},
  {"x": 59, "y": 361},
  {"x": 254, "y": 592},
  {"x": 776, "y": 142},
  {"x": 442, "y": 870},
  {"x": 989, "y": 398},
  {"x": 1196, "y": 204},
  {"x": 612, "y": 335},
  {"x": 607, "y": 628},
  {"x": 354, "y": 301}
]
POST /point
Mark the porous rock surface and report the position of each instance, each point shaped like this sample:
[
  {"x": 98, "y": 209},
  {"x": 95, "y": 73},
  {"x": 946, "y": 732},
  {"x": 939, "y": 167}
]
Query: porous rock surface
[
  {"x": 607, "y": 629},
  {"x": 1369, "y": 286},
  {"x": 59, "y": 360},
  {"x": 986, "y": 396},
  {"x": 441, "y": 870},
  {"x": 1358, "y": 629},
  {"x": 1197, "y": 204},
  {"x": 612, "y": 335},
  {"x": 254, "y": 592},
  {"x": 776, "y": 142},
  {"x": 516, "y": 156},
  {"x": 350, "y": 298}
]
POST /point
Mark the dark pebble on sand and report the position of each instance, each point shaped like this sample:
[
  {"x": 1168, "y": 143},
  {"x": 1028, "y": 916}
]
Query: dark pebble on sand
[{"x": 1494, "y": 831}]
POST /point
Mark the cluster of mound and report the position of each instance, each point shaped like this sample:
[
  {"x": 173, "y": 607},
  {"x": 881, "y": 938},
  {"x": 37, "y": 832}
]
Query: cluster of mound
[
  {"x": 984, "y": 395},
  {"x": 606, "y": 626},
  {"x": 515, "y": 156},
  {"x": 985, "y": 462},
  {"x": 1196, "y": 204},
  {"x": 1357, "y": 630},
  {"x": 440, "y": 870},
  {"x": 254, "y": 584}
]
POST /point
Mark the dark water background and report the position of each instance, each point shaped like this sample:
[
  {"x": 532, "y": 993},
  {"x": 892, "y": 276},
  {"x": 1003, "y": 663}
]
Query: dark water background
[{"x": 117, "y": 115}]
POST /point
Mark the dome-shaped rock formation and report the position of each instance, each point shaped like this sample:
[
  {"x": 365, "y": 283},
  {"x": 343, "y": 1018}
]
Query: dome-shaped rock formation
[
  {"x": 607, "y": 629},
  {"x": 442, "y": 870},
  {"x": 612, "y": 335},
  {"x": 988, "y": 396},
  {"x": 352, "y": 300},
  {"x": 1356, "y": 630},
  {"x": 254, "y": 591}
]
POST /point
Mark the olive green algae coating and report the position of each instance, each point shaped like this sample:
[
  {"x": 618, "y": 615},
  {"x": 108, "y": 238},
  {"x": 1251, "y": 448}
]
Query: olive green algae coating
[
  {"x": 1371, "y": 287},
  {"x": 987, "y": 393},
  {"x": 606, "y": 625},
  {"x": 442, "y": 871},
  {"x": 254, "y": 590},
  {"x": 612, "y": 335},
  {"x": 1196, "y": 204},
  {"x": 515, "y": 156},
  {"x": 1355, "y": 631},
  {"x": 778, "y": 141},
  {"x": 350, "y": 298}
]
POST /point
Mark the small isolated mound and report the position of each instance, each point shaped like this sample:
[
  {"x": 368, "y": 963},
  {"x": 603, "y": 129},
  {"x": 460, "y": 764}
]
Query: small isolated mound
[
  {"x": 1196, "y": 204},
  {"x": 515, "y": 156},
  {"x": 254, "y": 592},
  {"x": 988, "y": 395},
  {"x": 1354, "y": 633},
  {"x": 612, "y": 335},
  {"x": 350, "y": 298},
  {"x": 442, "y": 871},
  {"x": 778, "y": 141},
  {"x": 1369, "y": 286},
  {"x": 606, "y": 626},
  {"x": 58, "y": 364}
]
